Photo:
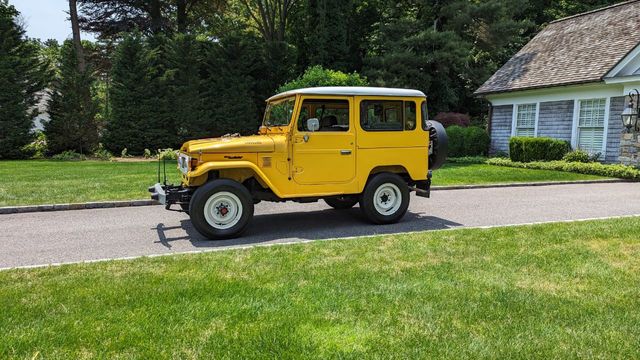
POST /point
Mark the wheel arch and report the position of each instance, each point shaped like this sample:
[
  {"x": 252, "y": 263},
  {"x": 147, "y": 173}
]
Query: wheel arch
[{"x": 239, "y": 171}]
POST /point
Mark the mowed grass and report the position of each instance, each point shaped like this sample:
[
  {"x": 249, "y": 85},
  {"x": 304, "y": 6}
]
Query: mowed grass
[
  {"x": 467, "y": 174},
  {"x": 36, "y": 182},
  {"x": 569, "y": 290}
]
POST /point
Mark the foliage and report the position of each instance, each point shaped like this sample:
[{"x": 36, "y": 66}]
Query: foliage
[
  {"x": 577, "y": 156},
  {"x": 613, "y": 170},
  {"x": 37, "y": 149},
  {"x": 72, "y": 108},
  {"x": 319, "y": 76},
  {"x": 23, "y": 76},
  {"x": 167, "y": 154},
  {"x": 147, "y": 154},
  {"x": 69, "y": 155},
  {"x": 452, "y": 118},
  {"x": 467, "y": 160},
  {"x": 469, "y": 141},
  {"x": 526, "y": 149},
  {"x": 101, "y": 153}
]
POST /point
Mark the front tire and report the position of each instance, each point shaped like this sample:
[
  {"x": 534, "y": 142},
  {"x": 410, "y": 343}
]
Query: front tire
[
  {"x": 385, "y": 199},
  {"x": 342, "y": 202},
  {"x": 221, "y": 209}
]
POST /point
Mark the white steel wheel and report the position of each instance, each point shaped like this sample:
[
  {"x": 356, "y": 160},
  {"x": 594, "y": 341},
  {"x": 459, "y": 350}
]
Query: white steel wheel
[
  {"x": 387, "y": 199},
  {"x": 223, "y": 210}
]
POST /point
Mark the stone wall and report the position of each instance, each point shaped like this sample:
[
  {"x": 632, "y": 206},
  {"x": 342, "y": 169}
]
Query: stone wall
[{"x": 630, "y": 149}]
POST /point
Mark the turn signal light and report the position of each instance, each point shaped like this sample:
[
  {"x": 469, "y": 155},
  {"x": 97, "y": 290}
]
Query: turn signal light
[{"x": 194, "y": 163}]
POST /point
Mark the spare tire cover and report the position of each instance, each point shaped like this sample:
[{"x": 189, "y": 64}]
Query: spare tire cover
[{"x": 438, "y": 141}]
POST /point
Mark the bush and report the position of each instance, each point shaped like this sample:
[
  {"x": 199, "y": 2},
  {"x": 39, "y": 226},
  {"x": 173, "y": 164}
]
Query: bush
[
  {"x": 451, "y": 118},
  {"x": 101, "y": 153},
  {"x": 125, "y": 153},
  {"x": 527, "y": 149},
  {"x": 470, "y": 141},
  {"x": 319, "y": 76},
  {"x": 69, "y": 155},
  {"x": 615, "y": 171},
  {"x": 147, "y": 154},
  {"x": 167, "y": 154},
  {"x": 38, "y": 147},
  {"x": 577, "y": 156}
]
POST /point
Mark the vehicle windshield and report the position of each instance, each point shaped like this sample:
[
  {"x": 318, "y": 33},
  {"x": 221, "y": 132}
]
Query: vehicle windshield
[{"x": 278, "y": 113}]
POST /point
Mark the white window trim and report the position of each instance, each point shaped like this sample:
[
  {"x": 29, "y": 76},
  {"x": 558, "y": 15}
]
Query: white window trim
[
  {"x": 576, "y": 116},
  {"x": 514, "y": 117}
]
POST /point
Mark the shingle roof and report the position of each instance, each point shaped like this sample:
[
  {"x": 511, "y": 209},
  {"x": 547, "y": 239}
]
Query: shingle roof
[{"x": 578, "y": 49}]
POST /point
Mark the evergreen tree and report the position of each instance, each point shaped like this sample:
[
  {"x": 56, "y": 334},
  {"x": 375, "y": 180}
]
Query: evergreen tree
[
  {"x": 22, "y": 77},
  {"x": 72, "y": 109}
]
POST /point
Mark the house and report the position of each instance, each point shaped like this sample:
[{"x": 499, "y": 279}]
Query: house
[{"x": 571, "y": 82}]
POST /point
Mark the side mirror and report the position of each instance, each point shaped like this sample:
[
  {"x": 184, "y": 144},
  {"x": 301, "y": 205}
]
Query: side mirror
[{"x": 313, "y": 124}]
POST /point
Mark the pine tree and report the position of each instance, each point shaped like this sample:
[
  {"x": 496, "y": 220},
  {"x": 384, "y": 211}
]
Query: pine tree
[
  {"x": 22, "y": 78},
  {"x": 72, "y": 109}
]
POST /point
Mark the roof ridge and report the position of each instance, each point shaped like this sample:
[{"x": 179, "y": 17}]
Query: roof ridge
[{"x": 594, "y": 11}]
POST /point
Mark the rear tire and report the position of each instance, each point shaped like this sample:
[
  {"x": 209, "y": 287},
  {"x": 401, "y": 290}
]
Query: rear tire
[
  {"x": 342, "y": 202},
  {"x": 221, "y": 209},
  {"x": 385, "y": 199}
]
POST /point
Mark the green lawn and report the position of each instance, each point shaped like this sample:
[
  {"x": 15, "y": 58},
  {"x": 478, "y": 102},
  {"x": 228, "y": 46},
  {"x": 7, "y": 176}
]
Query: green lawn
[
  {"x": 568, "y": 290},
  {"x": 466, "y": 174},
  {"x": 53, "y": 182}
]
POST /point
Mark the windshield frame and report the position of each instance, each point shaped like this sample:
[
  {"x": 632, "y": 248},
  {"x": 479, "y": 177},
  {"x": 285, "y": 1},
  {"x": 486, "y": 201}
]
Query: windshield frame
[{"x": 270, "y": 104}]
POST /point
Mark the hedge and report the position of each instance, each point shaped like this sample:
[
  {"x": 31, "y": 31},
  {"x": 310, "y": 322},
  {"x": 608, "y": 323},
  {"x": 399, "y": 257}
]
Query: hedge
[
  {"x": 613, "y": 170},
  {"x": 527, "y": 149},
  {"x": 469, "y": 141}
]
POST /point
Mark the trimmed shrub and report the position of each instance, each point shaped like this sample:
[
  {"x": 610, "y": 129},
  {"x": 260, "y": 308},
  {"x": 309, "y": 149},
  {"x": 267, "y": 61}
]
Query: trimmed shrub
[
  {"x": 577, "y": 156},
  {"x": 527, "y": 149},
  {"x": 470, "y": 141},
  {"x": 614, "y": 170},
  {"x": 452, "y": 118},
  {"x": 101, "y": 153},
  {"x": 167, "y": 154},
  {"x": 38, "y": 147}
]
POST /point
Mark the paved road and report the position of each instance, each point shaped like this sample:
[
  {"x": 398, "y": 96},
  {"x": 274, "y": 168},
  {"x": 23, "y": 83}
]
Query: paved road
[{"x": 68, "y": 236}]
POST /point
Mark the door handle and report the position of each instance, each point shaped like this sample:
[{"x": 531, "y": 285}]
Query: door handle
[{"x": 345, "y": 152}]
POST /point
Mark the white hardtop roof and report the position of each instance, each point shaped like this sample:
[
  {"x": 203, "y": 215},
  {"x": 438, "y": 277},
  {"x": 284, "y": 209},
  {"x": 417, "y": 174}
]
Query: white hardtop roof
[{"x": 350, "y": 91}]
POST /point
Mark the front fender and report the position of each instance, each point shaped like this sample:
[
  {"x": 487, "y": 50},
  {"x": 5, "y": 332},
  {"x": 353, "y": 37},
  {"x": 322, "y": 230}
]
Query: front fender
[{"x": 202, "y": 170}]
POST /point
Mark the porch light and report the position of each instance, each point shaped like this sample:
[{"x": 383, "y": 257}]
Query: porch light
[{"x": 630, "y": 114}]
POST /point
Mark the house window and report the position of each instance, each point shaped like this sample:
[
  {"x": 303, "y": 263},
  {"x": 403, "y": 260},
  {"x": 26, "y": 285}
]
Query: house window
[
  {"x": 525, "y": 120},
  {"x": 591, "y": 119}
]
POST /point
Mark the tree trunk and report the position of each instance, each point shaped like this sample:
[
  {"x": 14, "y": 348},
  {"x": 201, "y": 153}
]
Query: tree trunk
[
  {"x": 181, "y": 15},
  {"x": 75, "y": 29},
  {"x": 155, "y": 12}
]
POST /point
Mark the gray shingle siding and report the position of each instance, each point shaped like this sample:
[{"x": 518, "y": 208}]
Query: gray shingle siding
[
  {"x": 501, "y": 128},
  {"x": 555, "y": 119},
  {"x": 615, "y": 129}
]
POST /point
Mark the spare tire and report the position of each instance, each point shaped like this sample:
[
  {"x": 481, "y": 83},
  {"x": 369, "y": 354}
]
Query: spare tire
[{"x": 438, "y": 141}]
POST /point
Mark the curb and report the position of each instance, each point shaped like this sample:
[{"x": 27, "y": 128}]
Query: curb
[
  {"x": 76, "y": 206},
  {"x": 526, "y": 184},
  {"x": 131, "y": 203}
]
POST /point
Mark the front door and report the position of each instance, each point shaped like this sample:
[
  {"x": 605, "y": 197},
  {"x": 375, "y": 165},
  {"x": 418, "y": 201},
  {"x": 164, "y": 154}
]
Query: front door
[{"x": 325, "y": 156}]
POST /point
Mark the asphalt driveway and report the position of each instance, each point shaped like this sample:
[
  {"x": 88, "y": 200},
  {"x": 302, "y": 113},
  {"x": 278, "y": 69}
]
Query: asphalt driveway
[{"x": 83, "y": 235}]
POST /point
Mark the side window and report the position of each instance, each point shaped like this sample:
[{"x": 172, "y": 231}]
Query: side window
[
  {"x": 333, "y": 115},
  {"x": 381, "y": 115},
  {"x": 425, "y": 115},
  {"x": 410, "y": 116}
]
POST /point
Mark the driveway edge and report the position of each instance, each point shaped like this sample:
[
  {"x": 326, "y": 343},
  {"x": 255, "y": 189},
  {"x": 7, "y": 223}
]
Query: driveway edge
[{"x": 131, "y": 203}]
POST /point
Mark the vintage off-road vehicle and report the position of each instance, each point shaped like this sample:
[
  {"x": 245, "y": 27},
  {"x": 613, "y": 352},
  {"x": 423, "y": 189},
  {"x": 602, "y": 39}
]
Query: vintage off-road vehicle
[{"x": 343, "y": 145}]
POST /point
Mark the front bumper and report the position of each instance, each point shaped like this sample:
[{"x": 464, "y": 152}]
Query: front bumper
[{"x": 168, "y": 195}]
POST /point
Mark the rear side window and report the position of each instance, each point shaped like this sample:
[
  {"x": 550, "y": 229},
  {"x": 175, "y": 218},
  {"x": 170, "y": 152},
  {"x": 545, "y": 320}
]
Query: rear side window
[
  {"x": 425, "y": 116},
  {"x": 388, "y": 115}
]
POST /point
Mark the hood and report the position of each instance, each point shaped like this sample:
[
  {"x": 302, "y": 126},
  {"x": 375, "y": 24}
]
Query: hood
[{"x": 230, "y": 144}]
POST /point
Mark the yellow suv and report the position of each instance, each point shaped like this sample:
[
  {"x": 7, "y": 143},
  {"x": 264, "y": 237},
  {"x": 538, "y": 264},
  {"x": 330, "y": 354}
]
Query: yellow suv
[{"x": 344, "y": 145}]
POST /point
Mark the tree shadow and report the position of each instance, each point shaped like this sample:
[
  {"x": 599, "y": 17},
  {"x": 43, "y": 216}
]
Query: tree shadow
[{"x": 313, "y": 225}]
